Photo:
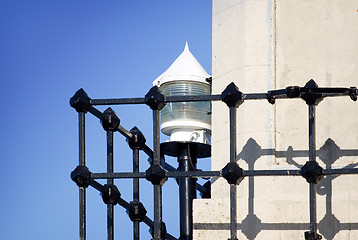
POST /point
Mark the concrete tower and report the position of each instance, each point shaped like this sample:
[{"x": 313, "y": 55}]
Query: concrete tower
[{"x": 262, "y": 45}]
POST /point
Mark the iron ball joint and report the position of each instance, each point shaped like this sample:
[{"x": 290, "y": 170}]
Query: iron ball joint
[
  {"x": 156, "y": 175},
  {"x": 310, "y": 95},
  {"x": 138, "y": 140},
  {"x": 233, "y": 173},
  {"x": 80, "y": 101},
  {"x": 81, "y": 176},
  {"x": 312, "y": 172},
  {"x": 136, "y": 211},
  {"x": 110, "y": 121},
  {"x": 232, "y": 96},
  {"x": 110, "y": 194},
  {"x": 154, "y": 99},
  {"x": 312, "y": 236}
]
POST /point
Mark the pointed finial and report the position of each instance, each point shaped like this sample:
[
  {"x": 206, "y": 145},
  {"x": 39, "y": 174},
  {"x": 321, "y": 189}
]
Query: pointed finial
[{"x": 186, "y": 48}]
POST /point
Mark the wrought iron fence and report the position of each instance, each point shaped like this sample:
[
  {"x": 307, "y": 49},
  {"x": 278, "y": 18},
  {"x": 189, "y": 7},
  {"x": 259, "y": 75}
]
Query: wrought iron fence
[{"x": 160, "y": 171}]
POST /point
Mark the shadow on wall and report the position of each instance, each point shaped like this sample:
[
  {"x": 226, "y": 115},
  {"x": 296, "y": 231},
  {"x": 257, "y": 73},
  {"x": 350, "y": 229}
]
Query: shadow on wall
[{"x": 328, "y": 226}]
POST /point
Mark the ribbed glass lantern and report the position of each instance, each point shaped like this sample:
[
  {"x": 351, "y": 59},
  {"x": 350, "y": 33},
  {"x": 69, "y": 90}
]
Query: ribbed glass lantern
[
  {"x": 185, "y": 116},
  {"x": 185, "y": 121}
]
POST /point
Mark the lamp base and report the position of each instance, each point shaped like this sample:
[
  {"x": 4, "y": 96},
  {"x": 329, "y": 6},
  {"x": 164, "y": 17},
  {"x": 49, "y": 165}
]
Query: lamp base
[
  {"x": 173, "y": 148},
  {"x": 199, "y": 136}
]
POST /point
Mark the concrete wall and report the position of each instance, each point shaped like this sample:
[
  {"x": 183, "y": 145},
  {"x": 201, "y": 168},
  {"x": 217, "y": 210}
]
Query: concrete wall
[{"x": 262, "y": 45}]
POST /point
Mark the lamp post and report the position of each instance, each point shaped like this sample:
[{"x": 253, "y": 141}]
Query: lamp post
[{"x": 189, "y": 126}]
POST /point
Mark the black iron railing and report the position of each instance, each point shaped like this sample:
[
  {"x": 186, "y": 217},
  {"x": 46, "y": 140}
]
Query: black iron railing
[{"x": 160, "y": 171}]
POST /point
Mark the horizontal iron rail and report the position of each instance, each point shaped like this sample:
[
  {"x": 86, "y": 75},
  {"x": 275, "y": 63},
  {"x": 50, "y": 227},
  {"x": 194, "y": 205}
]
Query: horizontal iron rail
[
  {"x": 117, "y": 101},
  {"x": 122, "y": 101},
  {"x": 249, "y": 173},
  {"x": 215, "y": 97},
  {"x": 277, "y": 94},
  {"x": 340, "y": 171}
]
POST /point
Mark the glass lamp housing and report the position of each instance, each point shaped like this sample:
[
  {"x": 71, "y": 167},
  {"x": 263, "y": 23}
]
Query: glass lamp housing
[{"x": 186, "y": 121}]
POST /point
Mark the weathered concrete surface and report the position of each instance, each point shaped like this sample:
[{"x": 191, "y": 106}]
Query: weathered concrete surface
[{"x": 262, "y": 45}]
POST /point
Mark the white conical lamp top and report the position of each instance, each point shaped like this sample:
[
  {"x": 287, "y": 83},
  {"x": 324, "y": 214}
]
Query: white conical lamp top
[{"x": 185, "y": 67}]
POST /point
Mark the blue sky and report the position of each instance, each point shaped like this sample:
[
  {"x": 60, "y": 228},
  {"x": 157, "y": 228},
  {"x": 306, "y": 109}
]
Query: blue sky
[{"x": 111, "y": 49}]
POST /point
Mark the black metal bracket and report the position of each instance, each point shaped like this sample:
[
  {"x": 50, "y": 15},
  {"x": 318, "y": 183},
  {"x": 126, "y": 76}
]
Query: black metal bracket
[
  {"x": 293, "y": 91},
  {"x": 155, "y": 99},
  {"x": 270, "y": 98},
  {"x": 353, "y": 92},
  {"x": 312, "y": 172},
  {"x": 138, "y": 140},
  {"x": 136, "y": 211},
  {"x": 110, "y": 121},
  {"x": 233, "y": 173},
  {"x": 110, "y": 194},
  {"x": 232, "y": 96},
  {"x": 81, "y": 176},
  {"x": 80, "y": 101},
  {"x": 310, "y": 94},
  {"x": 156, "y": 175}
]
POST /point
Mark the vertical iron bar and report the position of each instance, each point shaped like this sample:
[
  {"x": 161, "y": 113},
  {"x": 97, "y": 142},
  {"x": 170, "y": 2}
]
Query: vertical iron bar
[
  {"x": 136, "y": 190},
  {"x": 312, "y": 157},
  {"x": 82, "y": 190},
  {"x": 157, "y": 212},
  {"x": 187, "y": 191},
  {"x": 156, "y": 137},
  {"x": 157, "y": 188},
  {"x": 312, "y": 132},
  {"x": 233, "y": 207},
  {"x": 233, "y": 189},
  {"x": 313, "y": 214},
  {"x": 110, "y": 208},
  {"x": 232, "y": 134}
]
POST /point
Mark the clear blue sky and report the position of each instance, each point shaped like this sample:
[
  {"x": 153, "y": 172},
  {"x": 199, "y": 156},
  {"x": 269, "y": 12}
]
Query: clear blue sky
[{"x": 48, "y": 50}]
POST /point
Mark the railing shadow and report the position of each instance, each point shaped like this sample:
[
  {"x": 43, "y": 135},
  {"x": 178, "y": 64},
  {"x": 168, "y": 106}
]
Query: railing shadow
[{"x": 329, "y": 153}]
